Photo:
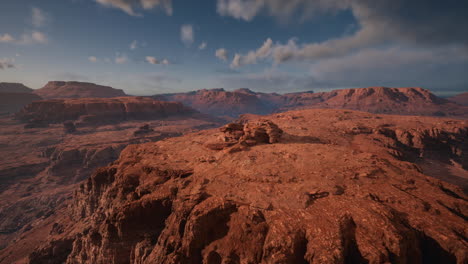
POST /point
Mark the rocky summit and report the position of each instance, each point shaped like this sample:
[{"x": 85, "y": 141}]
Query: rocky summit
[{"x": 308, "y": 186}]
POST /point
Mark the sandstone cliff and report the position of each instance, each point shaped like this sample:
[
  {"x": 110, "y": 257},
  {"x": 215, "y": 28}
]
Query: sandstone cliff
[{"x": 97, "y": 110}]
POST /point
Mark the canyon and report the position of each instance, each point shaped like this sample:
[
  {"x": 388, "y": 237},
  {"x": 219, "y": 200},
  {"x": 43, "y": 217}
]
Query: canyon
[
  {"x": 294, "y": 178},
  {"x": 307, "y": 186}
]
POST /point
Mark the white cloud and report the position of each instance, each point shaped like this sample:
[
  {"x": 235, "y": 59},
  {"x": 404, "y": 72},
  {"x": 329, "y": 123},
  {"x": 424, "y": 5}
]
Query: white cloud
[
  {"x": 384, "y": 22},
  {"x": 6, "y": 63},
  {"x": 92, "y": 59},
  {"x": 129, "y": 6},
  {"x": 39, "y": 18},
  {"x": 154, "y": 61},
  {"x": 222, "y": 54},
  {"x": 203, "y": 46},
  {"x": 6, "y": 38},
  {"x": 251, "y": 58},
  {"x": 35, "y": 37},
  {"x": 248, "y": 9},
  {"x": 187, "y": 34},
  {"x": 121, "y": 59},
  {"x": 134, "y": 45}
]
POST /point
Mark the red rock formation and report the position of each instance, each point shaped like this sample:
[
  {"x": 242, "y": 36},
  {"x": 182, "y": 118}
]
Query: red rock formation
[
  {"x": 461, "y": 99},
  {"x": 339, "y": 187},
  {"x": 402, "y": 101},
  {"x": 12, "y": 102},
  {"x": 220, "y": 102},
  {"x": 97, "y": 110},
  {"x": 58, "y": 90},
  {"x": 40, "y": 167}
]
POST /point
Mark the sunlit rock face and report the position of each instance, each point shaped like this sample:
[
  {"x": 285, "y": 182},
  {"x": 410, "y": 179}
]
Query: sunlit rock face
[{"x": 334, "y": 186}]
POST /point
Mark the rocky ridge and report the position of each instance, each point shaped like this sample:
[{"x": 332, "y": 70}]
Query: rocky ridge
[
  {"x": 97, "y": 110},
  {"x": 348, "y": 190},
  {"x": 401, "y": 101},
  {"x": 60, "y": 90}
]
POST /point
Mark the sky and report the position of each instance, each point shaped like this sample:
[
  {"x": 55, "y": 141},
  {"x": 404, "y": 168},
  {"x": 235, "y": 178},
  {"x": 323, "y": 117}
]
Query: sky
[{"x": 159, "y": 46}]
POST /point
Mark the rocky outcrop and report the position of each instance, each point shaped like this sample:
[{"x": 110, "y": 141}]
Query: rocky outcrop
[
  {"x": 60, "y": 90},
  {"x": 332, "y": 190},
  {"x": 100, "y": 111},
  {"x": 237, "y": 136}
]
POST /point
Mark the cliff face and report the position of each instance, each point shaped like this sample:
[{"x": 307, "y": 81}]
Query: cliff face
[
  {"x": 41, "y": 163},
  {"x": 58, "y": 89},
  {"x": 402, "y": 101},
  {"x": 96, "y": 110},
  {"x": 310, "y": 186}
]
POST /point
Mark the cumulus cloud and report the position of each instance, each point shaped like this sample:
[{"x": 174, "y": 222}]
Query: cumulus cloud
[
  {"x": 222, "y": 54},
  {"x": 251, "y": 58},
  {"x": 35, "y": 37},
  {"x": 6, "y": 38},
  {"x": 121, "y": 59},
  {"x": 92, "y": 59},
  {"x": 130, "y": 6},
  {"x": 6, "y": 63},
  {"x": 248, "y": 9},
  {"x": 417, "y": 23},
  {"x": 203, "y": 46},
  {"x": 187, "y": 35},
  {"x": 39, "y": 17},
  {"x": 154, "y": 61}
]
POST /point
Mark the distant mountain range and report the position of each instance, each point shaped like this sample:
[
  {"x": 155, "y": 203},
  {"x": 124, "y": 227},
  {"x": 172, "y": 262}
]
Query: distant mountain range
[
  {"x": 219, "y": 102},
  {"x": 382, "y": 100}
]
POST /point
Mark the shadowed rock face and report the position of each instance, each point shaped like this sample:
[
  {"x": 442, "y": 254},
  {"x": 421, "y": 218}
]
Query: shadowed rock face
[
  {"x": 58, "y": 89},
  {"x": 334, "y": 187},
  {"x": 14, "y": 88},
  {"x": 402, "y": 101},
  {"x": 12, "y": 102},
  {"x": 461, "y": 99},
  {"x": 96, "y": 110}
]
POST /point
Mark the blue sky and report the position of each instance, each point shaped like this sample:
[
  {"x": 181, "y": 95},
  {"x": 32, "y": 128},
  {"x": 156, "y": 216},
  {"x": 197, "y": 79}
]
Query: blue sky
[{"x": 156, "y": 46}]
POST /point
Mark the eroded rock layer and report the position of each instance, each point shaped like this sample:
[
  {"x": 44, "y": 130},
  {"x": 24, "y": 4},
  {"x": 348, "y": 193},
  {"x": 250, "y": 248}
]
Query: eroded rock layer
[
  {"x": 96, "y": 110},
  {"x": 334, "y": 187}
]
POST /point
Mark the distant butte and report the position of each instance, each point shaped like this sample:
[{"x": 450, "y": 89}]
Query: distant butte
[{"x": 58, "y": 89}]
